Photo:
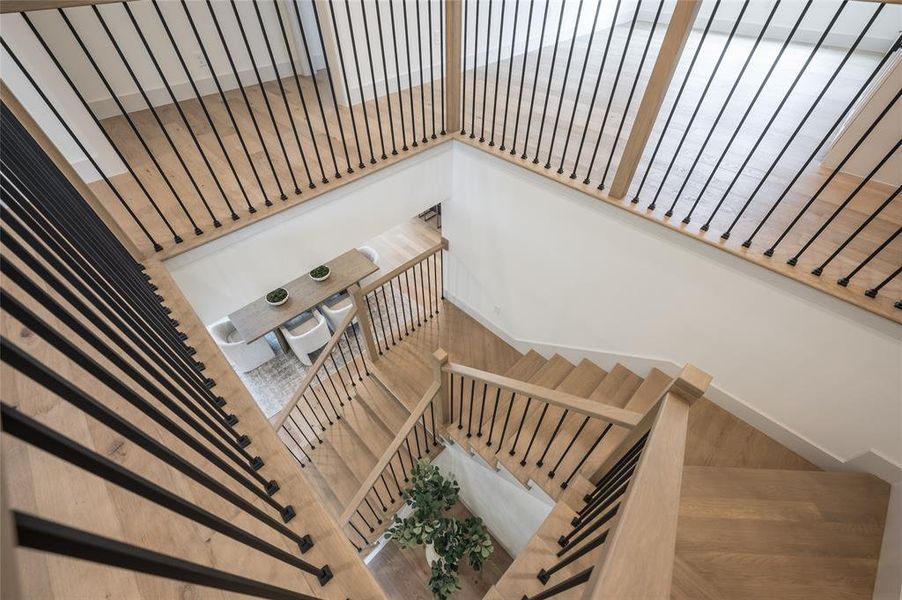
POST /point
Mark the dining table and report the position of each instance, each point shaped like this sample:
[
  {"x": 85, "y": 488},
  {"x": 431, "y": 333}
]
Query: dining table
[{"x": 258, "y": 318}]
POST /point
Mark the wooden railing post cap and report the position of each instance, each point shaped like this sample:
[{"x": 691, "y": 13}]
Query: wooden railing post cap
[
  {"x": 440, "y": 356},
  {"x": 692, "y": 383}
]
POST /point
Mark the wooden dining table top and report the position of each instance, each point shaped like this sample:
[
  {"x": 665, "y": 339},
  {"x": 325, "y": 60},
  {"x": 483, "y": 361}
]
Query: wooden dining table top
[{"x": 258, "y": 318}]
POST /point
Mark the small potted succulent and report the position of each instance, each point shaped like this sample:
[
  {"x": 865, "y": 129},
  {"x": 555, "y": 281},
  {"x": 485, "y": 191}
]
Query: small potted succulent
[
  {"x": 320, "y": 273},
  {"x": 277, "y": 297},
  {"x": 447, "y": 540}
]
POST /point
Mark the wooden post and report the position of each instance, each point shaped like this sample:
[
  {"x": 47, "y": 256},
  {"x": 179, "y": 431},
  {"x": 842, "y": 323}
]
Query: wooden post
[
  {"x": 35, "y": 131},
  {"x": 453, "y": 28},
  {"x": 442, "y": 409},
  {"x": 668, "y": 58},
  {"x": 363, "y": 317}
]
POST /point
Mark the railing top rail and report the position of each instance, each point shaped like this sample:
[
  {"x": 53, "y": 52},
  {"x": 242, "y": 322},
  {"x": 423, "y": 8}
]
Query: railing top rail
[
  {"x": 366, "y": 289},
  {"x": 612, "y": 414},
  {"x": 386, "y": 457},
  {"x": 314, "y": 369}
]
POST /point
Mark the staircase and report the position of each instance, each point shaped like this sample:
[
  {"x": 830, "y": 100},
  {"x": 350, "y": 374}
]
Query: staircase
[{"x": 754, "y": 519}]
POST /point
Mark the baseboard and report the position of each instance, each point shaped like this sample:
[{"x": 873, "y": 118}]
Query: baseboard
[{"x": 868, "y": 461}]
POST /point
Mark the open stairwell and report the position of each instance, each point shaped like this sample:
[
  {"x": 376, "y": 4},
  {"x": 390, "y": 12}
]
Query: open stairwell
[{"x": 753, "y": 519}]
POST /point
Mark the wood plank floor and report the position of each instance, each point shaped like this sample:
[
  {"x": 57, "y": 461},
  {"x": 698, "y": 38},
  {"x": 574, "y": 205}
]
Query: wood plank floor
[{"x": 541, "y": 122}]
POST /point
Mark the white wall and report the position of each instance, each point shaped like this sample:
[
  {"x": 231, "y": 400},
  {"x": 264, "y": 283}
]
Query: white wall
[
  {"x": 225, "y": 274},
  {"x": 827, "y": 374},
  {"x": 510, "y": 513}
]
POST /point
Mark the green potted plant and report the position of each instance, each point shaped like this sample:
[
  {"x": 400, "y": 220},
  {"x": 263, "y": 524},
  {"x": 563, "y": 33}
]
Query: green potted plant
[
  {"x": 320, "y": 273},
  {"x": 277, "y": 297},
  {"x": 447, "y": 540}
]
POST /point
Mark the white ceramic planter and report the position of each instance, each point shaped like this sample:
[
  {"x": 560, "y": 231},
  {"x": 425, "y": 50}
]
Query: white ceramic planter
[
  {"x": 280, "y": 302},
  {"x": 325, "y": 277}
]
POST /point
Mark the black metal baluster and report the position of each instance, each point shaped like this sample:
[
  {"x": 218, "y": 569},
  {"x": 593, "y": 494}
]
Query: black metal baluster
[
  {"x": 510, "y": 407},
  {"x": 607, "y": 110},
  {"x": 676, "y": 101},
  {"x": 872, "y": 292},
  {"x": 272, "y": 118},
  {"x": 557, "y": 40},
  {"x": 485, "y": 75},
  {"x": 379, "y": 498},
  {"x": 629, "y": 99},
  {"x": 361, "y": 91},
  {"x": 156, "y": 246},
  {"x": 431, "y": 67},
  {"x": 441, "y": 19},
  {"x": 394, "y": 477},
  {"x": 410, "y": 303},
  {"x": 391, "y": 497},
  {"x": 751, "y": 104},
  {"x": 373, "y": 321},
  {"x": 319, "y": 98},
  {"x": 391, "y": 122},
  {"x": 585, "y": 457},
  {"x": 579, "y": 430},
  {"x": 494, "y": 414},
  {"x": 372, "y": 510},
  {"x": 297, "y": 84},
  {"x": 557, "y": 429},
  {"x": 795, "y": 258},
  {"x": 181, "y": 113},
  {"x": 726, "y": 102},
  {"x": 153, "y": 111},
  {"x": 381, "y": 321},
  {"x": 836, "y": 170},
  {"x": 394, "y": 39},
  {"x": 836, "y": 123},
  {"x": 482, "y": 410},
  {"x": 432, "y": 419},
  {"x": 535, "y": 83},
  {"x": 535, "y": 432},
  {"x": 340, "y": 378},
  {"x": 604, "y": 61},
  {"x": 423, "y": 297},
  {"x": 369, "y": 54},
  {"x": 701, "y": 99},
  {"x": 413, "y": 113},
  {"x": 403, "y": 470},
  {"x": 312, "y": 411},
  {"x": 325, "y": 371},
  {"x": 344, "y": 75},
  {"x": 420, "y": 64},
  {"x": 470, "y": 409},
  {"x": 844, "y": 281},
  {"x": 366, "y": 369},
  {"x": 568, "y": 584},
  {"x": 513, "y": 449},
  {"x": 319, "y": 402},
  {"x": 475, "y": 68},
  {"x": 247, "y": 102},
  {"x": 347, "y": 340},
  {"x": 579, "y": 88},
  {"x": 391, "y": 330},
  {"x": 460, "y": 403},
  {"x": 203, "y": 107},
  {"x": 522, "y": 82},
  {"x": 498, "y": 71},
  {"x": 395, "y": 296}
]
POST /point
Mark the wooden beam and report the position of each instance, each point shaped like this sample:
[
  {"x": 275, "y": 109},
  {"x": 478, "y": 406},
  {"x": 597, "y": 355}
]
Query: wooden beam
[
  {"x": 35, "y": 131},
  {"x": 453, "y": 28},
  {"x": 599, "y": 410},
  {"x": 668, "y": 58}
]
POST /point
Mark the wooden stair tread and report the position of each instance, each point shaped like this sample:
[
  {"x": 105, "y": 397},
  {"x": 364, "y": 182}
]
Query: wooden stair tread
[
  {"x": 341, "y": 480},
  {"x": 617, "y": 387},
  {"x": 752, "y": 533}
]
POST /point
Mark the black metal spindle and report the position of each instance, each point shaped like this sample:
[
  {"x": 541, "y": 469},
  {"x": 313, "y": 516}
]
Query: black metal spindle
[
  {"x": 403, "y": 469},
  {"x": 482, "y": 410},
  {"x": 475, "y": 68},
  {"x": 420, "y": 66},
  {"x": 872, "y": 292},
  {"x": 726, "y": 102},
  {"x": 320, "y": 403},
  {"x": 347, "y": 88},
  {"x": 604, "y": 61},
  {"x": 711, "y": 77},
  {"x": 844, "y": 281},
  {"x": 470, "y": 409},
  {"x": 372, "y": 510},
  {"x": 676, "y": 100},
  {"x": 431, "y": 67},
  {"x": 570, "y": 444},
  {"x": 297, "y": 83},
  {"x": 413, "y": 112},
  {"x": 203, "y": 106},
  {"x": 181, "y": 113},
  {"x": 432, "y": 420},
  {"x": 394, "y": 39},
  {"x": 340, "y": 378},
  {"x": 507, "y": 417},
  {"x": 391, "y": 121},
  {"x": 247, "y": 102},
  {"x": 494, "y": 414},
  {"x": 557, "y": 40},
  {"x": 535, "y": 432},
  {"x": 381, "y": 320},
  {"x": 629, "y": 99},
  {"x": 366, "y": 369},
  {"x": 585, "y": 457},
  {"x": 460, "y": 404},
  {"x": 522, "y": 82},
  {"x": 607, "y": 110},
  {"x": 567, "y": 584},
  {"x": 312, "y": 411},
  {"x": 410, "y": 302},
  {"x": 836, "y": 170},
  {"x": 485, "y": 75},
  {"x": 513, "y": 449},
  {"x": 369, "y": 308},
  {"x": 463, "y": 88},
  {"x": 535, "y": 82},
  {"x": 398, "y": 318},
  {"x": 361, "y": 90},
  {"x": 369, "y": 54},
  {"x": 391, "y": 330},
  {"x": 441, "y": 19}
]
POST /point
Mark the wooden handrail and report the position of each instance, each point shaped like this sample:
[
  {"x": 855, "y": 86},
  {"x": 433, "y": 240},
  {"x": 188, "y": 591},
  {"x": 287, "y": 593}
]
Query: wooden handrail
[
  {"x": 600, "y": 410},
  {"x": 311, "y": 373},
  {"x": 386, "y": 457},
  {"x": 402, "y": 267},
  {"x": 637, "y": 557}
]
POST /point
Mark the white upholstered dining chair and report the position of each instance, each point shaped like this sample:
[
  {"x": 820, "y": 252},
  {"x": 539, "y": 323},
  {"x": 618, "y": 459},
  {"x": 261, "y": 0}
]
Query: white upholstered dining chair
[
  {"x": 306, "y": 333},
  {"x": 336, "y": 309},
  {"x": 242, "y": 356},
  {"x": 370, "y": 253}
]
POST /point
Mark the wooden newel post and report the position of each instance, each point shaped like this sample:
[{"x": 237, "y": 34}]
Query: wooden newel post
[
  {"x": 658, "y": 83},
  {"x": 363, "y": 317},
  {"x": 442, "y": 408},
  {"x": 691, "y": 384},
  {"x": 452, "y": 65}
]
